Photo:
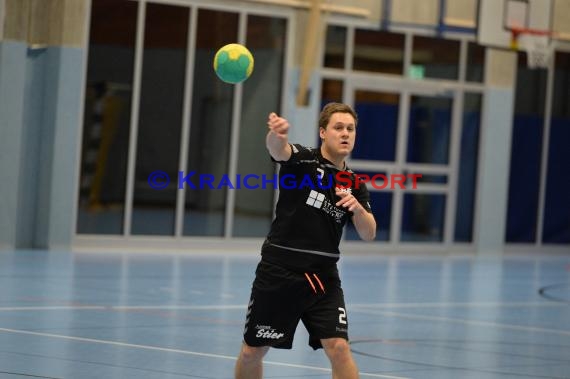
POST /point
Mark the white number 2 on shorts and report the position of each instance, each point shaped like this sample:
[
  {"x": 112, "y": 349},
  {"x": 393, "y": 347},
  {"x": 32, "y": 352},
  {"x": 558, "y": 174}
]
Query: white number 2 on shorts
[{"x": 341, "y": 316}]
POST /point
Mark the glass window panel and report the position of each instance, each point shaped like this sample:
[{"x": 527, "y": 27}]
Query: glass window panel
[
  {"x": 530, "y": 89},
  {"x": 556, "y": 228},
  {"x": 526, "y": 150},
  {"x": 210, "y": 128},
  {"x": 468, "y": 156},
  {"x": 475, "y": 62},
  {"x": 381, "y": 203},
  {"x": 439, "y": 57},
  {"x": 377, "y": 125},
  {"x": 423, "y": 218},
  {"x": 160, "y": 117},
  {"x": 107, "y": 117},
  {"x": 335, "y": 46},
  {"x": 331, "y": 91},
  {"x": 430, "y": 179},
  {"x": 429, "y": 130},
  {"x": 377, "y": 51},
  {"x": 261, "y": 94}
]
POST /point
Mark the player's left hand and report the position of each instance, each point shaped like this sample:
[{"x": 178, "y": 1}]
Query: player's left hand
[{"x": 347, "y": 200}]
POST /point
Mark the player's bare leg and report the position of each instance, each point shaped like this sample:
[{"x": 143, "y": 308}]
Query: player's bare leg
[
  {"x": 249, "y": 364},
  {"x": 338, "y": 352}
]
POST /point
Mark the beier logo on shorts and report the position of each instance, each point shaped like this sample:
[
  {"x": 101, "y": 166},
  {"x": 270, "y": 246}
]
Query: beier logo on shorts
[{"x": 265, "y": 331}]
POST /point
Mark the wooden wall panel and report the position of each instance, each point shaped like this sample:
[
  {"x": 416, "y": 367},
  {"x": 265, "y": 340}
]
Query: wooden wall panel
[
  {"x": 42, "y": 23},
  {"x": 422, "y": 12}
]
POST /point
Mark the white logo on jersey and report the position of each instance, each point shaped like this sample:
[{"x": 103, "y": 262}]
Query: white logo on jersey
[
  {"x": 315, "y": 199},
  {"x": 318, "y": 200}
]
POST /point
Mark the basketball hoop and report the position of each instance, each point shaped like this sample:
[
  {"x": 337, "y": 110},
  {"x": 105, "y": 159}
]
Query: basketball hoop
[{"x": 536, "y": 43}]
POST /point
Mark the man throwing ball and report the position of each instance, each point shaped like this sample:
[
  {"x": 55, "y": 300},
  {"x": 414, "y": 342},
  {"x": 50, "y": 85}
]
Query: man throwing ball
[{"x": 297, "y": 278}]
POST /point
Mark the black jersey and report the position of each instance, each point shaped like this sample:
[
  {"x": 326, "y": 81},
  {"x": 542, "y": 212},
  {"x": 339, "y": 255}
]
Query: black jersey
[{"x": 307, "y": 228}]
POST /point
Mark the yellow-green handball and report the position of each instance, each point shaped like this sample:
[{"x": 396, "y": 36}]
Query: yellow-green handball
[{"x": 233, "y": 63}]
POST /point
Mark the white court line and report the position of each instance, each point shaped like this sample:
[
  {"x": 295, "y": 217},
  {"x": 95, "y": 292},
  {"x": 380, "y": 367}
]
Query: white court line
[
  {"x": 462, "y": 304},
  {"x": 124, "y": 307},
  {"x": 54, "y": 308},
  {"x": 181, "y": 307},
  {"x": 186, "y": 352},
  {"x": 243, "y": 306},
  {"x": 463, "y": 321}
]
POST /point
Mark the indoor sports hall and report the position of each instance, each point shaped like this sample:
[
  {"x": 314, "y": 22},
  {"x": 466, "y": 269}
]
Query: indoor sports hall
[{"x": 136, "y": 189}]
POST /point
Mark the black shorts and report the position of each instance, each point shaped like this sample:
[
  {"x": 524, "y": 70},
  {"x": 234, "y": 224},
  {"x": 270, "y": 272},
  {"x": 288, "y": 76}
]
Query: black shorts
[{"x": 281, "y": 297}]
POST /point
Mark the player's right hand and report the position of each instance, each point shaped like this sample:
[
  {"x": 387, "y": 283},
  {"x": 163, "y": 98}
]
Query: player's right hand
[{"x": 277, "y": 125}]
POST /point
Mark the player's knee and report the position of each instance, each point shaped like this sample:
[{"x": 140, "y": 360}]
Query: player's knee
[
  {"x": 337, "y": 349},
  {"x": 250, "y": 354}
]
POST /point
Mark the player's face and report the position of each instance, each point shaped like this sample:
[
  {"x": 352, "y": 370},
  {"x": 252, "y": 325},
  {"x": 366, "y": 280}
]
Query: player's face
[{"x": 339, "y": 135}]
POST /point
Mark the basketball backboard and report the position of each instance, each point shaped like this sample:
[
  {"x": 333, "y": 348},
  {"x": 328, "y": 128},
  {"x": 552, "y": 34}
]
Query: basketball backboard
[{"x": 497, "y": 19}]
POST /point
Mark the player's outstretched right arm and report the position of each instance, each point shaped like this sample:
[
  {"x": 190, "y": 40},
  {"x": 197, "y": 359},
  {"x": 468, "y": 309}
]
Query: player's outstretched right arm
[{"x": 277, "y": 140}]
